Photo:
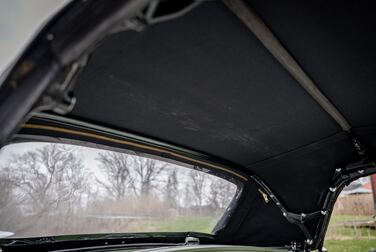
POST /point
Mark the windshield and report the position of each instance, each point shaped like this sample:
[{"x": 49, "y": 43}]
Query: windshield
[{"x": 57, "y": 189}]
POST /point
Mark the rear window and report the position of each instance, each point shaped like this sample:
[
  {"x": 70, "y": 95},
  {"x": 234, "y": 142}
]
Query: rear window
[{"x": 57, "y": 189}]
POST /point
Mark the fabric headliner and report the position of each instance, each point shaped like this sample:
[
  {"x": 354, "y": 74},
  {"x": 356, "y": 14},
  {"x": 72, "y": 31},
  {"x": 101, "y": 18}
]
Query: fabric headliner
[
  {"x": 203, "y": 81},
  {"x": 335, "y": 44}
]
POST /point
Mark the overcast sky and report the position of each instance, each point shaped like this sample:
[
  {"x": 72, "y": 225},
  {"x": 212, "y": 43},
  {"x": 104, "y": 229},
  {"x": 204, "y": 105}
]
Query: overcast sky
[{"x": 19, "y": 20}]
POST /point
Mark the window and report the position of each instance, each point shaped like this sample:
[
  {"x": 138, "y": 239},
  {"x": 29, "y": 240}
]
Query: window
[
  {"x": 55, "y": 189},
  {"x": 352, "y": 224}
]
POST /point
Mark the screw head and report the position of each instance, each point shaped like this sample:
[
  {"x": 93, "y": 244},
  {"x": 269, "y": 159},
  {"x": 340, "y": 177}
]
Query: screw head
[
  {"x": 332, "y": 189},
  {"x": 345, "y": 176},
  {"x": 50, "y": 36}
]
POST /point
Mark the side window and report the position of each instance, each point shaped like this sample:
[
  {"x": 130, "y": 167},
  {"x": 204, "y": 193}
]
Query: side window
[
  {"x": 54, "y": 189},
  {"x": 353, "y": 224}
]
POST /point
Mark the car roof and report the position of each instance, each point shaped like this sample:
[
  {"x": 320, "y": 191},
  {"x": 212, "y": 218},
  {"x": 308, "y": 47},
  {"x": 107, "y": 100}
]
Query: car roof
[{"x": 204, "y": 82}]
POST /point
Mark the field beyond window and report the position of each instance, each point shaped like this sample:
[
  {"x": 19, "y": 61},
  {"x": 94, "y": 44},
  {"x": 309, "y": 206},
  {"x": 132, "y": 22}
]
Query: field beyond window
[
  {"x": 352, "y": 225},
  {"x": 57, "y": 189}
]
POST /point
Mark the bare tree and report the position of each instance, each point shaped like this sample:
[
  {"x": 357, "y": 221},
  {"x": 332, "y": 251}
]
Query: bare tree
[
  {"x": 9, "y": 213},
  {"x": 221, "y": 193},
  {"x": 172, "y": 189},
  {"x": 48, "y": 178},
  {"x": 198, "y": 180},
  {"x": 147, "y": 173},
  {"x": 44, "y": 183},
  {"x": 5, "y": 188},
  {"x": 116, "y": 167}
]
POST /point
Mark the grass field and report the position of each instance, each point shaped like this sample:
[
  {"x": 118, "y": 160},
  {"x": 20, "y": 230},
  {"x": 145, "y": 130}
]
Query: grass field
[
  {"x": 343, "y": 239},
  {"x": 350, "y": 245},
  {"x": 203, "y": 224},
  {"x": 337, "y": 231}
]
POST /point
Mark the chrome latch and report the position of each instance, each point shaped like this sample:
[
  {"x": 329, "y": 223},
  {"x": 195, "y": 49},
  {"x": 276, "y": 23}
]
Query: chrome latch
[{"x": 191, "y": 241}]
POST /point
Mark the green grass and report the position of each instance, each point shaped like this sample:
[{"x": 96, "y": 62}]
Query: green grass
[
  {"x": 349, "y": 245},
  {"x": 343, "y": 239},
  {"x": 202, "y": 224},
  {"x": 337, "y": 230},
  {"x": 338, "y": 218}
]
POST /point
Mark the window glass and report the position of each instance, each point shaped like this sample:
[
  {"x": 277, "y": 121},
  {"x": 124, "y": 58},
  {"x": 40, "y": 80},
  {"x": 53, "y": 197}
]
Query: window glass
[
  {"x": 352, "y": 225},
  {"x": 54, "y": 189}
]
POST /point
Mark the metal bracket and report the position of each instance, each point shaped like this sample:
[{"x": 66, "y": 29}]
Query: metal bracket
[
  {"x": 297, "y": 247},
  {"x": 297, "y": 219},
  {"x": 127, "y": 25},
  {"x": 59, "y": 97},
  {"x": 294, "y": 247},
  {"x": 302, "y": 218},
  {"x": 151, "y": 18},
  {"x": 356, "y": 143}
]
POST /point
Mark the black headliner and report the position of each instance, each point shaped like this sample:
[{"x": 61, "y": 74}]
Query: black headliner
[
  {"x": 203, "y": 81},
  {"x": 335, "y": 43}
]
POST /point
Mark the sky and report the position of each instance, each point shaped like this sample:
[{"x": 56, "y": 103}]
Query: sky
[{"x": 19, "y": 21}]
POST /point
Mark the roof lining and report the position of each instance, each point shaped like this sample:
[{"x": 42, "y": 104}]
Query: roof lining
[
  {"x": 297, "y": 152},
  {"x": 272, "y": 44},
  {"x": 255, "y": 24}
]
